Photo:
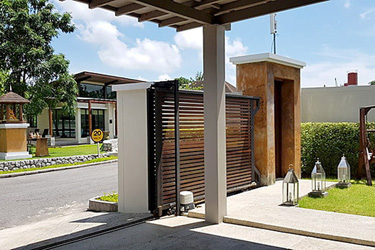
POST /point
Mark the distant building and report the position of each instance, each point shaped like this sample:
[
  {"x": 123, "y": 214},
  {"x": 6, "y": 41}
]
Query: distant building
[
  {"x": 337, "y": 104},
  {"x": 95, "y": 93}
]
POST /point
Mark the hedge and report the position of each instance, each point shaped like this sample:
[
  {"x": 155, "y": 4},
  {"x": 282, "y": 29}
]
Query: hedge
[{"x": 328, "y": 142}]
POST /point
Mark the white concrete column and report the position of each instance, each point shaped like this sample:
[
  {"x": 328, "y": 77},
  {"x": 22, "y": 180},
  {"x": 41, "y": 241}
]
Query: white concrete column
[
  {"x": 132, "y": 151},
  {"x": 214, "y": 122},
  {"x": 78, "y": 124}
]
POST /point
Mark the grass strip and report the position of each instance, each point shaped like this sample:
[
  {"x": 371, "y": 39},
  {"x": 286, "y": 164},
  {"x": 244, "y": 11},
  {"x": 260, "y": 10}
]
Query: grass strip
[
  {"x": 358, "y": 200},
  {"x": 60, "y": 165}
]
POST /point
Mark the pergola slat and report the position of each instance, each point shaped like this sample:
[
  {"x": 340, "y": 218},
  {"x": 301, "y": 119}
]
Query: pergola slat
[
  {"x": 178, "y": 10},
  {"x": 259, "y": 10},
  {"x": 170, "y": 21},
  {"x": 151, "y": 15},
  {"x": 128, "y": 8},
  {"x": 189, "y": 14},
  {"x": 98, "y": 3}
]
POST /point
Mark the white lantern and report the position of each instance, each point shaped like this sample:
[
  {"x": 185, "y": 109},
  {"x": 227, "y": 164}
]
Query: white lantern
[
  {"x": 290, "y": 189},
  {"x": 318, "y": 181},
  {"x": 343, "y": 173}
]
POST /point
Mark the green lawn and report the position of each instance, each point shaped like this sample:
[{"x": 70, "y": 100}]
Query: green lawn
[
  {"x": 71, "y": 150},
  {"x": 66, "y": 151},
  {"x": 60, "y": 165},
  {"x": 359, "y": 199}
]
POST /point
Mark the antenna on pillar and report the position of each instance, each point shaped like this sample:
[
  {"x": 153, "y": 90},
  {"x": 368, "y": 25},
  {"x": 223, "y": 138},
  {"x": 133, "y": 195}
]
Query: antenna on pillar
[{"x": 273, "y": 30}]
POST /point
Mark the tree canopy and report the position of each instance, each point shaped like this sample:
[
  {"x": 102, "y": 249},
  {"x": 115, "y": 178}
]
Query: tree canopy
[
  {"x": 185, "y": 83},
  {"x": 27, "y": 28},
  {"x": 372, "y": 83}
]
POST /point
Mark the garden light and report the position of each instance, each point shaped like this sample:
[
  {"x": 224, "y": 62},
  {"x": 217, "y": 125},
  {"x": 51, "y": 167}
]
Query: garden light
[
  {"x": 343, "y": 173},
  {"x": 318, "y": 181},
  {"x": 290, "y": 189}
]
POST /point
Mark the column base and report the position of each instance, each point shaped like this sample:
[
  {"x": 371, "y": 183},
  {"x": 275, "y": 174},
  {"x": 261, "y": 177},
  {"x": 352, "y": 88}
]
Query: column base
[{"x": 15, "y": 155}]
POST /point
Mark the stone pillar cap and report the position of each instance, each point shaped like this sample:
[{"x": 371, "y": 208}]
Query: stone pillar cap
[{"x": 268, "y": 57}]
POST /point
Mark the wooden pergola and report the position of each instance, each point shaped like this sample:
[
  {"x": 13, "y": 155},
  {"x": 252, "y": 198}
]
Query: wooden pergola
[{"x": 215, "y": 16}]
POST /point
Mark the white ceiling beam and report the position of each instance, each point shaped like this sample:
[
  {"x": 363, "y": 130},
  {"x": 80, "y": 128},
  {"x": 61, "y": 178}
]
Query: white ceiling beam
[{"x": 178, "y": 9}]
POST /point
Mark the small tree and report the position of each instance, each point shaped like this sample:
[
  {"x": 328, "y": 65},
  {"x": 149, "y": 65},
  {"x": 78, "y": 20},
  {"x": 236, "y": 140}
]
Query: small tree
[
  {"x": 372, "y": 83},
  {"x": 185, "y": 83},
  {"x": 27, "y": 28}
]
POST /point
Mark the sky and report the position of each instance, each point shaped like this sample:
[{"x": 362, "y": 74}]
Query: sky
[{"x": 332, "y": 38}]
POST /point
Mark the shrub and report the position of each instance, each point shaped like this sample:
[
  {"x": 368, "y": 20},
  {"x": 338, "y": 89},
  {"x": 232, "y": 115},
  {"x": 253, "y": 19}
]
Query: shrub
[{"x": 328, "y": 142}]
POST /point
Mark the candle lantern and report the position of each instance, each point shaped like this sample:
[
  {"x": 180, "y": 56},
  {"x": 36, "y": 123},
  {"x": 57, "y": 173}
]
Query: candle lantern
[
  {"x": 343, "y": 173},
  {"x": 290, "y": 189},
  {"x": 318, "y": 181}
]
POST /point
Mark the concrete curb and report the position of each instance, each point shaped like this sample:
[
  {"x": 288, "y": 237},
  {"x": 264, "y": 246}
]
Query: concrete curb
[
  {"x": 298, "y": 232},
  {"x": 102, "y": 206},
  {"x": 40, "y": 171}
]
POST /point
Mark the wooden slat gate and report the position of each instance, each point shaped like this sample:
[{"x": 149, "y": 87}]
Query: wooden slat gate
[{"x": 241, "y": 172}]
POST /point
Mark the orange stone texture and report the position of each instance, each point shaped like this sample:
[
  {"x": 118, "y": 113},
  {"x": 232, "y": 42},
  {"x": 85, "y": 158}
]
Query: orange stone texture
[
  {"x": 13, "y": 140},
  {"x": 277, "y": 125}
]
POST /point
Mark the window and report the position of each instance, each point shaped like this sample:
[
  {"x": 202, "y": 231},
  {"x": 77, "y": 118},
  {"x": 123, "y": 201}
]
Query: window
[
  {"x": 64, "y": 125},
  {"x": 91, "y": 90},
  {"x": 109, "y": 93},
  {"x": 97, "y": 121}
]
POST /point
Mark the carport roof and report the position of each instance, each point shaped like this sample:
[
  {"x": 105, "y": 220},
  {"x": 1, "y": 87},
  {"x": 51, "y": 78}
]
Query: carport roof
[{"x": 188, "y": 14}]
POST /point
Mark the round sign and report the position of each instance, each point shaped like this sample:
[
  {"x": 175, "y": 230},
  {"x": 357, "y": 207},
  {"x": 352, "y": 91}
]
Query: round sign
[{"x": 97, "y": 135}]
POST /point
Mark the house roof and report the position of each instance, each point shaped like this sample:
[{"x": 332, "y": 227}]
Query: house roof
[
  {"x": 188, "y": 14},
  {"x": 229, "y": 88},
  {"x": 102, "y": 78},
  {"x": 12, "y": 98}
]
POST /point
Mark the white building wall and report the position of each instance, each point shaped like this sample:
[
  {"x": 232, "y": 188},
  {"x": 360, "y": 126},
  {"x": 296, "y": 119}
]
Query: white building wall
[
  {"x": 43, "y": 121},
  {"x": 336, "y": 104}
]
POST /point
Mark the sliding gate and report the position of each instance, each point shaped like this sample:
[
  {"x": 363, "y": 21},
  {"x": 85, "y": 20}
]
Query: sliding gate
[{"x": 240, "y": 111}]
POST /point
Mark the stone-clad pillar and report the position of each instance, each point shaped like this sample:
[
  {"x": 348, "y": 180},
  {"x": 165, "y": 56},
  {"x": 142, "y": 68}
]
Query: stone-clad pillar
[{"x": 276, "y": 80}]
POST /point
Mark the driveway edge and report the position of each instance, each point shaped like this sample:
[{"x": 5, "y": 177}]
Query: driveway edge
[{"x": 41, "y": 171}]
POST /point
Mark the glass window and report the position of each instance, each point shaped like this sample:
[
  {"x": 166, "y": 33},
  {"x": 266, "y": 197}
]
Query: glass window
[
  {"x": 109, "y": 93},
  {"x": 97, "y": 121},
  {"x": 91, "y": 90},
  {"x": 64, "y": 125}
]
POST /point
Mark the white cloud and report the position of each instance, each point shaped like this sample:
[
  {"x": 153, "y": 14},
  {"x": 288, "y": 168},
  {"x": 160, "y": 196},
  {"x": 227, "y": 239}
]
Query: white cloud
[
  {"x": 81, "y": 12},
  {"x": 325, "y": 72},
  {"x": 164, "y": 77},
  {"x": 190, "y": 39},
  {"x": 347, "y": 4},
  {"x": 99, "y": 27},
  {"x": 193, "y": 39},
  {"x": 366, "y": 14}
]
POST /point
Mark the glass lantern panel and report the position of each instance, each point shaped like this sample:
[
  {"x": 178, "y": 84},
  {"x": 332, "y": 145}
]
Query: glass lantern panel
[
  {"x": 290, "y": 193},
  {"x": 343, "y": 170}
]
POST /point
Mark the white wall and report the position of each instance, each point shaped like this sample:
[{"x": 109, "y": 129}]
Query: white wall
[
  {"x": 42, "y": 121},
  {"x": 336, "y": 104}
]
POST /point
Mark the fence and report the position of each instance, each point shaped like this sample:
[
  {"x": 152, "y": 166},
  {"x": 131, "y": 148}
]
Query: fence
[{"x": 240, "y": 111}]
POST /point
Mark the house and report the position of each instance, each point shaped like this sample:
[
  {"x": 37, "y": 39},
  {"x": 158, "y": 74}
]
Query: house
[
  {"x": 96, "y": 98},
  {"x": 337, "y": 104}
]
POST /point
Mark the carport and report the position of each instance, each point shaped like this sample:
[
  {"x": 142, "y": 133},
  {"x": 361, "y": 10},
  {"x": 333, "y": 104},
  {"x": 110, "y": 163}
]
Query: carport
[{"x": 215, "y": 16}]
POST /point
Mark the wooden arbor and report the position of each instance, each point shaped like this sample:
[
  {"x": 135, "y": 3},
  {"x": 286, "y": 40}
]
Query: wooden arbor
[
  {"x": 366, "y": 155},
  {"x": 8, "y": 107}
]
